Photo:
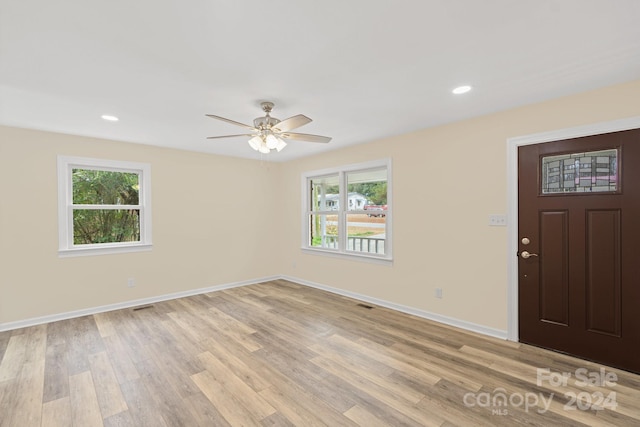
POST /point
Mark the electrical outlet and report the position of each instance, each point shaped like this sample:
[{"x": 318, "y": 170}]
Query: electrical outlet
[
  {"x": 498, "y": 220},
  {"x": 131, "y": 282},
  {"x": 438, "y": 293}
]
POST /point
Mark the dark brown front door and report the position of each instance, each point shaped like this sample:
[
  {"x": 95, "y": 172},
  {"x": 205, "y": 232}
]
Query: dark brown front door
[{"x": 579, "y": 247}]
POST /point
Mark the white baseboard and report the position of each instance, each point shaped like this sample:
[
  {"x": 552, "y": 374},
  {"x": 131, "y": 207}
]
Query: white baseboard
[
  {"x": 462, "y": 324},
  {"x": 126, "y": 304}
]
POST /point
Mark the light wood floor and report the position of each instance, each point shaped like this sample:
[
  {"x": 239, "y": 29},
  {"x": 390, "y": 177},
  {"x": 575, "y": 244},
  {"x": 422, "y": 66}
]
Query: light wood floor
[{"x": 281, "y": 354}]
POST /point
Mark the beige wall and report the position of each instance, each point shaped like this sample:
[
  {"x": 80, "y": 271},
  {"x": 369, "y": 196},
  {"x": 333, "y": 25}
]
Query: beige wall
[
  {"x": 446, "y": 181},
  {"x": 206, "y": 230}
]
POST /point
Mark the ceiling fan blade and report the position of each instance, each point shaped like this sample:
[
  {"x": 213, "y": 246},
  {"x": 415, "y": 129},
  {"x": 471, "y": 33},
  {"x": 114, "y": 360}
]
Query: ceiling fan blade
[
  {"x": 229, "y": 136},
  {"x": 292, "y": 123},
  {"x": 233, "y": 122},
  {"x": 305, "y": 137}
]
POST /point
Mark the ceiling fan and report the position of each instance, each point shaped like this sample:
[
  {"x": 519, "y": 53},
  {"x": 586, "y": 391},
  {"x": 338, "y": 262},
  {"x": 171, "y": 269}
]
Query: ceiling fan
[{"x": 269, "y": 133}]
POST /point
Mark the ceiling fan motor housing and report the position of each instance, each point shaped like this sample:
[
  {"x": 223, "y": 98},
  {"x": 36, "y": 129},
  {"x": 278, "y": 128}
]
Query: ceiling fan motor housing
[{"x": 265, "y": 122}]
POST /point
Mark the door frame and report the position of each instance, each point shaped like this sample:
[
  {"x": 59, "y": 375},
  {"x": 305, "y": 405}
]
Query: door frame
[{"x": 512, "y": 198}]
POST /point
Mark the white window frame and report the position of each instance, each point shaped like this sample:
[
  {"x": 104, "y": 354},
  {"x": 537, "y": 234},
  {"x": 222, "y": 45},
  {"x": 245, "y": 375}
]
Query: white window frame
[
  {"x": 341, "y": 251},
  {"x": 66, "y": 247}
]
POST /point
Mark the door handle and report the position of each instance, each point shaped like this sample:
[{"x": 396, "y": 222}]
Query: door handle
[{"x": 526, "y": 255}]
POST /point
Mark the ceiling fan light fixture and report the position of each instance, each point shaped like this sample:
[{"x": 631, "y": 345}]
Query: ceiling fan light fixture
[
  {"x": 263, "y": 148},
  {"x": 271, "y": 141},
  {"x": 281, "y": 145},
  {"x": 255, "y": 142}
]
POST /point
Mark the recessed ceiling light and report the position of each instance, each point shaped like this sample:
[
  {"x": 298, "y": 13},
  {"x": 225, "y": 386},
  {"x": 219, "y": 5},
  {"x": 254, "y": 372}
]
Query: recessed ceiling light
[
  {"x": 461, "y": 89},
  {"x": 110, "y": 118}
]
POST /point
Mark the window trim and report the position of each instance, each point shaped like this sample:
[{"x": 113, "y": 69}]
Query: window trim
[
  {"x": 341, "y": 251},
  {"x": 66, "y": 247}
]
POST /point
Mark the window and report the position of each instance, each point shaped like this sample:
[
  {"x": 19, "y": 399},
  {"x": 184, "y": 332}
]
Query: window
[
  {"x": 579, "y": 173},
  {"x": 104, "y": 206},
  {"x": 347, "y": 211}
]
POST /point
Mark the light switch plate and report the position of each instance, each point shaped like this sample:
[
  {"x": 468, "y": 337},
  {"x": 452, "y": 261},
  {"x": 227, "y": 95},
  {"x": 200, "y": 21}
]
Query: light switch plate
[{"x": 498, "y": 220}]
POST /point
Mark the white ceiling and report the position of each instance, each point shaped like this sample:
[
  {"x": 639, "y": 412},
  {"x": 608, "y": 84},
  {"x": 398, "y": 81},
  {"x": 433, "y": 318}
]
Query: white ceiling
[{"x": 361, "y": 69}]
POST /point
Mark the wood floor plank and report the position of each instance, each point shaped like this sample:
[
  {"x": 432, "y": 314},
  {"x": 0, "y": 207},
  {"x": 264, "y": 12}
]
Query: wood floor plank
[
  {"x": 6, "y": 387},
  {"x": 83, "y": 340},
  {"x": 232, "y": 384},
  {"x": 312, "y": 404},
  {"x": 176, "y": 369},
  {"x": 36, "y": 344},
  {"x": 229, "y": 406},
  {"x": 183, "y": 347},
  {"x": 132, "y": 335},
  {"x": 123, "y": 367},
  {"x": 385, "y": 358},
  {"x": 276, "y": 420},
  {"x": 104, "y": 325},
  {"x": 27, "y": 402},
  {"x": 362, "y": 417},
  {"x": 108, "y": 393},
  {"x": 205, "y": 413},
  {"x": 442, "y": 400},
  {"x": 231, "y": 323},
  {"x": 305, "y": 374},
  {"x": 85, "y": 409},
  {"x": 4, "y": 342},
  {"x": 121, "y": 419},
  {"x": 167, "y": 402},
  {"x": 425, "y": 363},
  {"x": 190, "y": 327},
  {"x": 251, "y": 298},
  {"x": 295, "y": 412},
  {"x": 382, "y": 394},
  {"x": 143, "y": 409},
  {"x": 57, "y": 413},
  {"x": 385, "y": 381},
  {"x": 14, "y": 357},
  {"x": 8, "y": 401},
  {"x": 251, "y": 375},
  {"x": 56, "y": 375},
  {"x": 233, "y": 328}
]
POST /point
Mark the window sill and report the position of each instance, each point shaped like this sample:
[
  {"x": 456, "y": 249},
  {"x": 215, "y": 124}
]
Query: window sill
[
  {"x": 371, "y": 259},
  {"x": 103, "y": 250}
]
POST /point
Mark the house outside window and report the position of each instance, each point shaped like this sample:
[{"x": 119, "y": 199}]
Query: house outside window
[
  {"x": 347, "y": 211},
  {"x": 104, "y": 206}
]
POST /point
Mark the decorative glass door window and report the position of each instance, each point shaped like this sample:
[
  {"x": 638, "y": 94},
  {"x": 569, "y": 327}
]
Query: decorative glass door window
[{"x": 595, "y": 171}]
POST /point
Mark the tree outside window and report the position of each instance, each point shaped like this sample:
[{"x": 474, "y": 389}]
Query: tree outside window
[{"x": 103, "y": 204}]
